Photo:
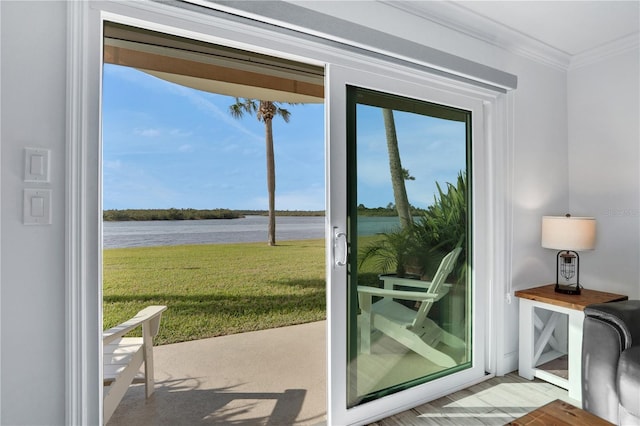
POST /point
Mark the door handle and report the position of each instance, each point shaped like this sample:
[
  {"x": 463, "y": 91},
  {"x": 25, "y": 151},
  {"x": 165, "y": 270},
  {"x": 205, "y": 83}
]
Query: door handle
[{"x": 339, "y": 247}]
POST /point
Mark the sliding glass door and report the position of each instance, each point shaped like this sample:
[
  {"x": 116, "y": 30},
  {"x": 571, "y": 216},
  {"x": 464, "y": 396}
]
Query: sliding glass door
[{"x": 403, "y": 314}]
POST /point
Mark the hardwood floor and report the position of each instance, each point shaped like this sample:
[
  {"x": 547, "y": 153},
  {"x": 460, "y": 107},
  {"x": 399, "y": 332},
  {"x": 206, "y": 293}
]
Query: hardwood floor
[{"x": 494, "y": 402}]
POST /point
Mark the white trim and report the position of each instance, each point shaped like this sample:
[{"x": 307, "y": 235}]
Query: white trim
[
  {"x": 83, "y": 321},
  {"x": 617, "y": 47},
  {"x": 508, "y": 362},
  {"x": 502, "y": 186},
  {"x": 75, "y": 334},
  {"x": 0, "y": 210},
  {"x": 462, "y": 20}
]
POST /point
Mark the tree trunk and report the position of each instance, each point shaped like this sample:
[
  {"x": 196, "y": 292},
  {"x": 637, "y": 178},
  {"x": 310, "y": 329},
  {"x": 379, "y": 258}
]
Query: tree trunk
[
  {"x": 395, "y": 167},
  {"x": 271, "y": 182}
]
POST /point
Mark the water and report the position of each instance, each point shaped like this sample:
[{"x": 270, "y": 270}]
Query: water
[
  {"x": 368, "y": 225},
  {"x": 225, "y": 231}
]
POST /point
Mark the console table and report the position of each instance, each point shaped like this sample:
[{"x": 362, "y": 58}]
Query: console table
[{"x": 536, "y": 334}]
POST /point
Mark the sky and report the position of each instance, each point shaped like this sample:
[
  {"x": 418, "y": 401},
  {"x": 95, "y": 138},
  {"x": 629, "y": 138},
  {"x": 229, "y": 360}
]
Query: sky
[
  {"x": 168, "y": 146},
  {"x": 431, "y": 149}
]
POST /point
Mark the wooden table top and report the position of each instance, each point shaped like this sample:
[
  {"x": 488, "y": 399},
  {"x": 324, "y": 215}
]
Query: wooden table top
[
  {"x": 587, "y": 297},
  {"x": 559, "y": 413}
]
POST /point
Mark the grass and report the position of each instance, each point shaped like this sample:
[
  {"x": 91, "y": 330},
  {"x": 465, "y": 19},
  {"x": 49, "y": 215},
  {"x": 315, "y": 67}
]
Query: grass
[{"x": 218, "y": 289}]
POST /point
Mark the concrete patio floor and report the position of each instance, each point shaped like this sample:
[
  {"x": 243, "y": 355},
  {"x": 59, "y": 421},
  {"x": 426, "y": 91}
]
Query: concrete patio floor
[{"x": 269, "y": 377}]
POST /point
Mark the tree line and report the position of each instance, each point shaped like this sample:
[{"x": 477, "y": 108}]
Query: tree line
[
  {"x": 168, "y": 214},
  {"x": 116, "y": 215},
  {"x": 390, "y": 211},
  {"x": 124, "y": 215}
]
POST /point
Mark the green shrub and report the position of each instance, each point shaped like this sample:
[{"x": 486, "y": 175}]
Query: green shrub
[
  {"x": 419, "y": 248},
  {"x": 443, "y": 227}
]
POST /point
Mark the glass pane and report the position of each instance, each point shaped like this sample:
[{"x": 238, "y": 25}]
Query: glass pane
[{"x": 409, "y": 195}]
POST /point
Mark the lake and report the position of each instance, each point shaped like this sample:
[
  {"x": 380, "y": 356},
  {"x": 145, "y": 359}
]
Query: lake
[{"x": 225, "y": 231}]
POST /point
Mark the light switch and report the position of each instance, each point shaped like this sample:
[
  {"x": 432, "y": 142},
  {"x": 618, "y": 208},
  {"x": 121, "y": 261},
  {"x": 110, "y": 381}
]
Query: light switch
[
  {"x": 36, "y": 165},
  {"x": 37, "y": 206}
]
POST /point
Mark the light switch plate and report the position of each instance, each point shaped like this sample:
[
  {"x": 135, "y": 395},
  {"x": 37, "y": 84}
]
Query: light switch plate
[
  {"x": 37, "y": 206},
  {"x": 36, "y": 165}
]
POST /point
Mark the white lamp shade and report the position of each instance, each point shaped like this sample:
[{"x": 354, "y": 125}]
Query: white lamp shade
[{"x": 568, "y": 233}]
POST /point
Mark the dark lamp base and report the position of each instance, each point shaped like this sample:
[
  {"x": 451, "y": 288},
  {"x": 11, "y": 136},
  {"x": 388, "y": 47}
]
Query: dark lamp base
[{"x": 568, "y": 289}]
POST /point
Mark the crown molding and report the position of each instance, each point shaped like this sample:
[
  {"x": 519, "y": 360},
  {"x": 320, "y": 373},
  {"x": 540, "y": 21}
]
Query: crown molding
[
  {"x": 616, "y": 47},
  {"x": 460, "y": 19}
]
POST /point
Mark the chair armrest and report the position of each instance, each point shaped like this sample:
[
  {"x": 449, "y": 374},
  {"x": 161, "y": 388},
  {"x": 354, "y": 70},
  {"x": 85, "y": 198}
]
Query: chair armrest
[
  {"x": 623, "y": 316},
  {"x": 150, "y": 314},
  {"x": 629, "y": 380},
  {"x": 608, "y": 329},
  {"x": 397, "y": 294},
  {"x": 600, "y": 354}
]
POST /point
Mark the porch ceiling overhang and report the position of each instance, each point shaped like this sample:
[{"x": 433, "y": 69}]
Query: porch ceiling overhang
[{"x": 215, "y": 69}]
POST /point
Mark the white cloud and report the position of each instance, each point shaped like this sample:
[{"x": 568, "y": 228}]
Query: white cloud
[
  {"x": 165, "y": 134},
  {"x": 149, "y": 133}
]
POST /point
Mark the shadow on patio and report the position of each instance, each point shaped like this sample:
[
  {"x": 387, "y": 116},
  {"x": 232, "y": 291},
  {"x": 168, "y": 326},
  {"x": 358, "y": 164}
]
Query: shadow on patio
[{"x": 269, "y": 377}]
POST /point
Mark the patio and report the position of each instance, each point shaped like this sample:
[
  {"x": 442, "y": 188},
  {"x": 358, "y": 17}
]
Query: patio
[
  {"x": 255, "y": 378},
  {"x": 261, "y": 378}
]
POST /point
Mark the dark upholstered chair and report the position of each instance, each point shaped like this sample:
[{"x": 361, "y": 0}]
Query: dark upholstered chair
[{"x": 611, "y": 361}]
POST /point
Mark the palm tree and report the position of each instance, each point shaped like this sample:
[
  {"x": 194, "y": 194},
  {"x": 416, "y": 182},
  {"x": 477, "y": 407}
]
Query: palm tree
[
  {"x": 265, "y": 112},
  {"x": 398, "y": 174}
]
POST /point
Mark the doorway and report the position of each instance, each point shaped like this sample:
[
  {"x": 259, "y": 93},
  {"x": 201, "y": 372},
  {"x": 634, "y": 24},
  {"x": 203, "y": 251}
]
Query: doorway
[{"x": 213, "y": 284}]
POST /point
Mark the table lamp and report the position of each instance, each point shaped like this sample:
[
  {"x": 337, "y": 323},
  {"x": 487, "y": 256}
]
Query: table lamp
[{"x": 569, "y": 235}]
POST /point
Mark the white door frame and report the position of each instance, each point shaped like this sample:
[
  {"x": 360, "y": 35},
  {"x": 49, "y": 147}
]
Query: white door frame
[{"x": 83, "y": 170}]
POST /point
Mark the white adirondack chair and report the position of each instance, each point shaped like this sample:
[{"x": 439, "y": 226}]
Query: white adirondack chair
[
  {"x": 123, "y": 357},
  {"x": 411, "y": 328}
]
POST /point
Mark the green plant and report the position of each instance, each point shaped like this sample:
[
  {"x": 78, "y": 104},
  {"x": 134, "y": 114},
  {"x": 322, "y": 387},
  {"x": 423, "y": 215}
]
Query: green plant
[
  {"x": 393, "y": 250},
  {"x": 419, "y": 247},
  {"x": 443, "y": 226}
]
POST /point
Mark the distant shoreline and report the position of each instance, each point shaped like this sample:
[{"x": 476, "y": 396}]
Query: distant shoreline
[{"x": 129, "y": 215}]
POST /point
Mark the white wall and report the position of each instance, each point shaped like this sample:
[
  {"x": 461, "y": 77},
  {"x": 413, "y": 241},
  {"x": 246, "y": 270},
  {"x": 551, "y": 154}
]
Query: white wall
[
  {"x": 32, "y": 292},
  {"x": 604, "y": 166},
  {"x": 539, "y": 185},
  {"x": 33, "y": 55}
]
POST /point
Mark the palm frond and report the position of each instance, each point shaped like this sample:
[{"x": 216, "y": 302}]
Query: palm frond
[
  {"x": 284, "y": 113},
  {"x": 242, "y": 106}
]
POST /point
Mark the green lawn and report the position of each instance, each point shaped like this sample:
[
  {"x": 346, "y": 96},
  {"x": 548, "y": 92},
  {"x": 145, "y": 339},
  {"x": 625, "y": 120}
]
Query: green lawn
[{"x": 217, "y": 289}]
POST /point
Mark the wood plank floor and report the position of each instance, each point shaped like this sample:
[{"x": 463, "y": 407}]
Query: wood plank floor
[{"x": 493, "y": 402}]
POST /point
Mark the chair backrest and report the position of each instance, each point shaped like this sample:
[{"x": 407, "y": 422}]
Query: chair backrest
[{"x": 445, "y": 268}]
